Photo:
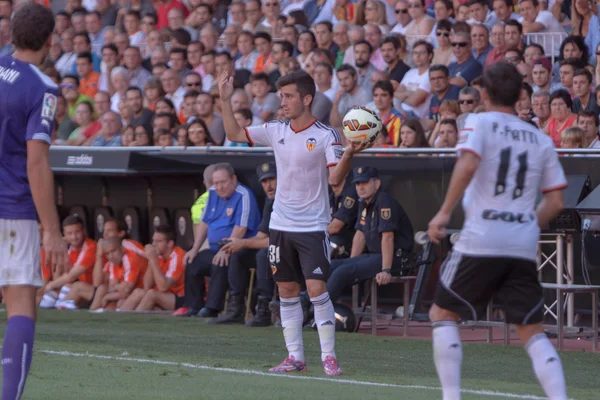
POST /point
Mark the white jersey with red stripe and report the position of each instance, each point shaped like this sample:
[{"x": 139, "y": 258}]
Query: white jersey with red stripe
[
  {"x": 302, "y": 158},
  {"x": 517, "y": 161}
]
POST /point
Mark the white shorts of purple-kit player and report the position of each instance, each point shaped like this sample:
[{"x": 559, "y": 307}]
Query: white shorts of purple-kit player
[{"x": 20, "y": 253}]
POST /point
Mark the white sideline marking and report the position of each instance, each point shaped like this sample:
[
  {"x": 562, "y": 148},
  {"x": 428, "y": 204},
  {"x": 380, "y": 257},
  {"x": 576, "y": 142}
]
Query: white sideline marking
[{"x": 289, "y": 376}]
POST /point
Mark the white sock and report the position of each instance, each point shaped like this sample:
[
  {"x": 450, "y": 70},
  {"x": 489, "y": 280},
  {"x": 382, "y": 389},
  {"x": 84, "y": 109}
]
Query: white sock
[
  {"x": 547, "y": 366},
  {"x": 325, "y": 320},
  {"x": 291, "y": 321},
  {"x": 447, "y": 354},
  {"x": 64, "y": 291},
  {"x": 49, "y": 300}
]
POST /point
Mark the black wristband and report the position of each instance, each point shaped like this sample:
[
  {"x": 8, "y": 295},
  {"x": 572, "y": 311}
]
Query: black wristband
[{"x": 387, "y": 270}]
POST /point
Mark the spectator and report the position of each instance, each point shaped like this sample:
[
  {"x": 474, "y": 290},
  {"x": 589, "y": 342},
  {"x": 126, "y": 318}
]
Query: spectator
[
  {"x": 421, "y": 24},
  {"x": 265, "y": 103},
  {"x": 70, "y": 89},
  {"x": 584, "y": 99},
  {"x": 88, "y": 78},
  {"x": 504, "y": 11},
  {"x": 194, "y": 57},
  {"x": 64, "y": 124},
  {"x": 535, "y": 20},
  {"x": 121, "y": 40},
  {"x": 513, "y": 35},
  {"x": 340, "y": 38},
  {"x": 480, "y": 14},
  {"x": 88, "y": 127},
  {"x": 163, "y": 138},
  {"x": 178, "y": 61},
  {"x": 466, "y": 68},
  {"x": 231, "y": 211},
  {"x": 141, "y": 116},
  {"x": 127, "y": 135},
  {"x": 165, "y": 274},
  {"x": 163, "y": 10},
  {"x": 540, "y": 104},
  {"x": 588, "y": 122},
  {"x": 133, "y": 22},
  {"x": 306, "y": 44},
  {"x": 412, "y": 134},
  {"x": 567, "y": 70},
  {"x": 373, "y": 36},
  {"x": 253, "y": 15},
  {"x": 244, "y": 118},
  {"x": 468, "y": 99},
  {"x": 198, "y": 134},
  {"x": 209, "y": 37},
  {"x": 110, "y": 59},
  {"x": 532, "y": 52},
  {"x": 323, "y": 74},
  {"x": 462, "y": 12},
  {"x": 280, "y": 51},
  {"x": 138, "y": 75},
  {"x": 415, "y": 89},
  {"x": 348, "y": 96},
  {"x": 93, "y": 26},
  {"x": 224, "y": 62},
  {"x": 393, "y": 51},
  {"x": 561, "y": 116},
  {"x": 541, "y": 77},
  {"x": 443, "y": 11},
  {"x": 383, "y": 96},
  {"x": 205, "y": 110},
  {"x": 109, "y": 134},
  {"x": 232, "y": 32},
  {"x": 443, "y": 54},
  {"x": 142, "y": 137},
  {"x": 188, "y": 108},
  {"x": 82, "y": 44},
  {"x": 107, "y": 11},
  {"x": 153, "y": 91},
  {"x": 571, "y": 138},
  {"x": 573, "y": 47},
  {"x": 362, "y": 57},
  {"x": 269, "y": 24},
  {"x": 442, "y": 90},
  {"x": 523, "y": 106},
  {"x": 448, "y": 134},
  {"x": 515, "y": 57},
  {"x": 119, "y": 77},
  {"x": 207, "y": 61},
  {"x": 480, "y": 36},
  {"x": 324, "y": 36},
  {"x": 171, "y": 82}
]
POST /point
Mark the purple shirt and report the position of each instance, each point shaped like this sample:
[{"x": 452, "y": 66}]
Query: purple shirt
[{"x": 28, "y": 102}]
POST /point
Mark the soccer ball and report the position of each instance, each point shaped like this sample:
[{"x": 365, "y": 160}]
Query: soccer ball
[{"x": 361, "y": 125}]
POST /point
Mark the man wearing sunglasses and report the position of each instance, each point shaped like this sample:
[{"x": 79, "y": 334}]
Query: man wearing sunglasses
[
  {"x": 465, "y": 68},
  {"x": 402, "y": 16},
  {"x": 69, "y": 87}
]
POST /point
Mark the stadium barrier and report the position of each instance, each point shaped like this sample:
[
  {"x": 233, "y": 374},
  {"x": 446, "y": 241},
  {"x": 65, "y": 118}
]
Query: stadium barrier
[{"x": 139, "y": 181}]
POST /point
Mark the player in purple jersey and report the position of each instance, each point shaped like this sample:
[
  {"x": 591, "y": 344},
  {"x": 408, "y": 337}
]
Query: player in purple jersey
[{"x": 28, "y": 101}]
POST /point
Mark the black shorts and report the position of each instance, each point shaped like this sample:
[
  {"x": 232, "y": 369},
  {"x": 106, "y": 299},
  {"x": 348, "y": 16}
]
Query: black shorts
[
  {"x": 467, "y": 284},
  {"x": 179, "y": 300},
  {"x": 297, "y": 256}
]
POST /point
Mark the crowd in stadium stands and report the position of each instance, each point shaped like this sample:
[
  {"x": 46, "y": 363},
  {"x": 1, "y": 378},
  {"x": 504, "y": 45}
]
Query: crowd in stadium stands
[{"x": 143, "y": 73}]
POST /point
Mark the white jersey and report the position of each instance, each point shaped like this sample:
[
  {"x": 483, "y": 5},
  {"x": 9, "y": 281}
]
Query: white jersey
[
  {"x": 302, "y": 158},
  {"x": 517, "y": 160}
]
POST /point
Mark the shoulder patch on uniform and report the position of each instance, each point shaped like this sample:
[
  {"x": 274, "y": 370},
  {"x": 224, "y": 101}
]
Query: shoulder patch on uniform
[
  {"x": 349, "y": 202},
  {"x": 49, "y": 106},
  {"x": 386, "y": 213}
]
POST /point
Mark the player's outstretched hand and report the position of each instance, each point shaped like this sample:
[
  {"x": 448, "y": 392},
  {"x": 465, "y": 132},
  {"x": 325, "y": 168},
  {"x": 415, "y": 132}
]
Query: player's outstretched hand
[
  {"x": 56, "y": 252},
  {"x": 437, "y": 227},
  {"x": 357, "y": 147},
  {"x": 225, "y": 86}
]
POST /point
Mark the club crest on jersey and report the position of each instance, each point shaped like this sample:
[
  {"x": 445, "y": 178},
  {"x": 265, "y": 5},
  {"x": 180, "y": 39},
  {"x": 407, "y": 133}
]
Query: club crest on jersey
[
  {"x": 349, "y": 202},
  {"x": 311, "y": 143},
  {"x": 386, "y": 213},
  {"x": 49, "y": 106},
  {"x": 229, "y": 211}
]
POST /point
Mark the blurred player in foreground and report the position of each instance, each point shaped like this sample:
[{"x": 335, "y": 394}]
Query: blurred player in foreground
[
  {"x": 28, "y": 101},
  {"x": 503, "y": 164}
]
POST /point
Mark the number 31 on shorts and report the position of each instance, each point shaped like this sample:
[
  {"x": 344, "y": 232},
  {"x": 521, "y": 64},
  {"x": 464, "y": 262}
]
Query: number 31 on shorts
[{"x": 273, "y": 257}]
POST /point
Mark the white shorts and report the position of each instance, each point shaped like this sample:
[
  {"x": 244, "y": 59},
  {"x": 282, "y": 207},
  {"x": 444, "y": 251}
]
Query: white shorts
[{"x": 20, "y": 253}]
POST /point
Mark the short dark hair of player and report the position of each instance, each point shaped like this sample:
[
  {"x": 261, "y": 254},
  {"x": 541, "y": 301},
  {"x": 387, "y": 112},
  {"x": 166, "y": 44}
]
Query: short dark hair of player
[
  {"x": 246, "y": 113},
  {"x": 385, "y": 86},
  {"x": 263, "y": 35},
  {"x": 303, "y": 81},
  {"x": 562, "y": 94},
  {"x": 589, "y": 114},
  {"x": 516, "y": 24},
  {"x": 182, "y": 36},
  {"x": 428, "y": 46},
  {"x": 326, "y": 24},
  {"x": 507, "y": 94},
  {"x": 347, "y": 68},
  {"x": 260, "y": 76},
  {"x": 584, "y": 72},
  {"x": 31, "y": 26},
  {"x": 134, "y": 89},
  {"x": 441, "y": 68},
  {"x": 366, "y": 44},
  {"x": 179, "y": 50},
  {"x": 286, "y": 47},
  {"x": 328, "y": 67},
  {"x": 166, "y": 230},
  {"x": 87, "y": 55},
  {"x": 72, "y": 220}
]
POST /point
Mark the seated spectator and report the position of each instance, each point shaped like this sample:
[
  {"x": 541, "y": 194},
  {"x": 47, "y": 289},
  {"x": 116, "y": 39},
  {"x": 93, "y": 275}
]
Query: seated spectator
[
  {"x": 383, "y": 96},
  {"x": 498, "y": 41},
  {"x": 567, "y": 71},
  {"x": 248, "y": 56},
  {"x": 442, "y": 90},
  {"x": 263, "y": 44},
  {"x": 542, "y": 76},
  {"x": 88, "y": 78},
  {"x": 534, "y": 19},
  {"x": 323, "y": 75},
  {"x": 348, "y": 96},
  {"x": 127, "y": 135},
  {"x": 393, "y": 50},
  {"x": 480, "y": 37},
  {"x": 244, "y": 118},
  {"x": 588, "y": 122},
  {"x": 164, "y": 275},
  {"x": 561, "y": 116},
  {"x": 443, "y": 55},
  {"x": 571, "y": 138},
  {"x": 480, "y": 14},
  {"x": 198, "y": 134},
  {"x": 88, "y": 126},
  {"x": 421, "y": 23},
  {"x": 540, "y": 104},
  {"x": 69, "y": 87},
  {"x": 468, "y": 99},
  {"x": 515, "y": 57},
  {"x": 265, "y": 103},
  {"x": 122, "y": 272},
  {"x": 82, "y": 254},
  {"x": 142, "y": 137},
  {"x": 403, "y": 18},
  {"x": 119, "y": 77},
  {"x": 153, "y": 91},
  {"x": 187, "y": 113},
  {"x": 205, "y": 110},
  {"x": 412, "y": 134},
  {"x": 231, "y": 212},
  {"x": 64, "y": 125},
  {"x": 465, "y": 68},
  {"x": 140, "y": 114},
  {"x": 249, "y": 257},
  {"x": 165, "y": 106},
  {"x": 415, "y": 89},
  {"x": 450, "y": 110},
  {"x": 523, "y": 105},
  {"x": 383, "y": 232},
  {"x": 163, "y": 138},
  {"x": 532, "y": 52},
  {"x": 109, "y": 135},
  {"x": 171, "y": 82},
  {"x": 585, "y": 100},
  {"x": 448, "y": 134}
]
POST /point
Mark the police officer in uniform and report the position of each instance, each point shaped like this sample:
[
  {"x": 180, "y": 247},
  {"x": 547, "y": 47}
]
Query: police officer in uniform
[
  {"x": 267, "y": 176},
  {"x": 383, "y": 239},
  {"x": 343, "y": 202}
]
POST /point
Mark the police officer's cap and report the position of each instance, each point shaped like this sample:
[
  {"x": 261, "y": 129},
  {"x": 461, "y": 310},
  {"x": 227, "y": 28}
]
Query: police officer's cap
[
  {"x": 266, "y": 171},
  {"x": 363, "y": 174}
]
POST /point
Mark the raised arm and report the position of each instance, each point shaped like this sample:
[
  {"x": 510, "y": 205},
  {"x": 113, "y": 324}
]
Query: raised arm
[{"x": 233, "y": 131}]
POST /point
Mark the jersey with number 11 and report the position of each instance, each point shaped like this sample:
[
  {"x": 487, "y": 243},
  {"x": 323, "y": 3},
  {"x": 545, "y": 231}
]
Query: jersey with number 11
[{"x": 517, "y": 161}]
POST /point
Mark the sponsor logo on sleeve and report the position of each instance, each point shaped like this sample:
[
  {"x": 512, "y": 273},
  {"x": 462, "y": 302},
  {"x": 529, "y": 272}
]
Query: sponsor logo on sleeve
[{"x": 49, "y": 106}]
